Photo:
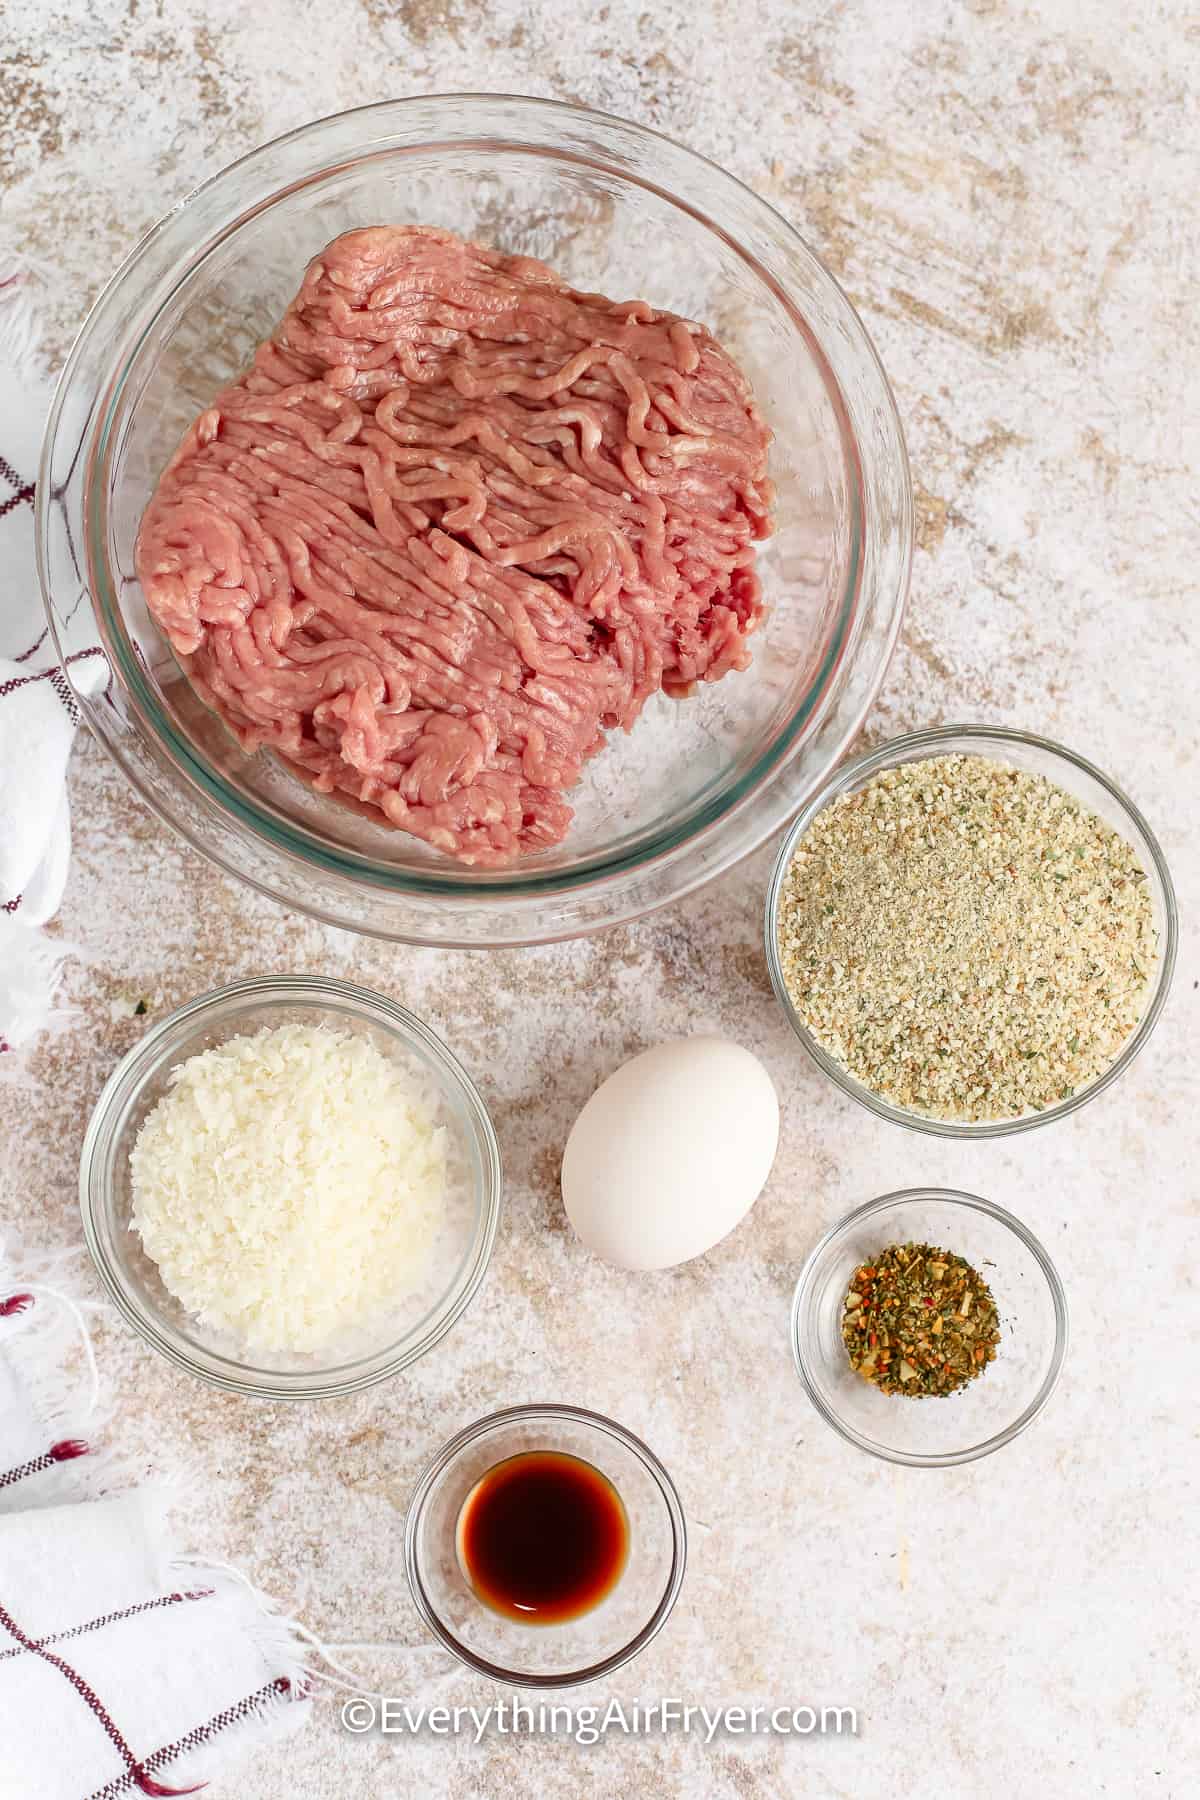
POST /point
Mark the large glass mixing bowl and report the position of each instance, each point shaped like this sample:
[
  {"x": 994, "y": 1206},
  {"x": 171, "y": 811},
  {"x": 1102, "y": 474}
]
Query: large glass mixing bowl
[{"x": 698, "y": 783}]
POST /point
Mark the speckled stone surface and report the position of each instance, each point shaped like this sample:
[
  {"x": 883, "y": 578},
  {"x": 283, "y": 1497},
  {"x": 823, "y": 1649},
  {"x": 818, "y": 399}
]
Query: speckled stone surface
[{"x": 1008, "y": 193}]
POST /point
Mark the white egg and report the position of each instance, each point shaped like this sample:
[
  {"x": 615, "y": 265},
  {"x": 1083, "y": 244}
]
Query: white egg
[{"x": 671, "y": 1152}]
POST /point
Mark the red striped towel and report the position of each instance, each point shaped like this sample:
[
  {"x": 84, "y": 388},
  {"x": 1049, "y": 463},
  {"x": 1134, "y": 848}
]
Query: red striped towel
[
  {"x": 37, "y": 713},
  {"x": 124, "y": 1670}
]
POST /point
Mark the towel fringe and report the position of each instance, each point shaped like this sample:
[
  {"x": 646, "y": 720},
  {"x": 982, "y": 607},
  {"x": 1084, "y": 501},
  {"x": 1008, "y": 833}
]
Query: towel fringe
[{"x": 31, "y": 978}]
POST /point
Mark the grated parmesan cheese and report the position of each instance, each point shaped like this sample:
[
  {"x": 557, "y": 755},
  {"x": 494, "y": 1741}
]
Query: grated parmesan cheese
[{"x": 289, "y": 1184}]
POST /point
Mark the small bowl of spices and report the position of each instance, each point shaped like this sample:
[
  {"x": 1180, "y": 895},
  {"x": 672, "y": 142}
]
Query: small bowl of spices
[
  {"x": 929, "y": 1327},
  {"x": 971, "y": 930}
]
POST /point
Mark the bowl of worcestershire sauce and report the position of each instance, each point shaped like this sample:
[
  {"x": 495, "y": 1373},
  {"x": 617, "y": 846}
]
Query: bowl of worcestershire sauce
[
  {"x": 545, "y": 1546},
  {"x": 543, "y": 1537}
]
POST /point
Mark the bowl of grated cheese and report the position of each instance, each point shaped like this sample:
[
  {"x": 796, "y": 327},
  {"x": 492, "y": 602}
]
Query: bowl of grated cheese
[{"x": 291, "y": 1187}]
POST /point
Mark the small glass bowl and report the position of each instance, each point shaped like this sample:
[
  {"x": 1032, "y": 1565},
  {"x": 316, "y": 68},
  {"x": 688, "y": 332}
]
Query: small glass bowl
[
  {"x": 582, "y": 1649},
  {"x": 1040, "y": 756},
  {"x": 458, "y": 1257},
  {"x": 934, "y": 1431}
]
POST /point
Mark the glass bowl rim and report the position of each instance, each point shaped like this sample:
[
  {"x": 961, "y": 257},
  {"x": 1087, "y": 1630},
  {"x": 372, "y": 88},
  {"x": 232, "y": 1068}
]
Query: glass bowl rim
[
  {"x": 441, "y": 1461},
  {"x": 945, "y": 740},
  {"x": 663, "y": 845},
  {"x": 802, "y": 1301},
  {"x": 143, "y": 1060}
]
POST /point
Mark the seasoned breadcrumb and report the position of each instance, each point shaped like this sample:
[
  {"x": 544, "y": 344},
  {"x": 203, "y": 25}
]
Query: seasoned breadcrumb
[{"x": 966, "y": 938}]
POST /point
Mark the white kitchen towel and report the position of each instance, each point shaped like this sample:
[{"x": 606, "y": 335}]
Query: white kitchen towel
[
  {"x": 124, "y": 1669},
  {"x": 49, "y": 1388},
  {"x": 38, "y": 714}
]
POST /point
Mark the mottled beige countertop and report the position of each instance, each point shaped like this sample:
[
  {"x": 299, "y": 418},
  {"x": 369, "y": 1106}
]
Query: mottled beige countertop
[{"x": 1008, "y": 192}]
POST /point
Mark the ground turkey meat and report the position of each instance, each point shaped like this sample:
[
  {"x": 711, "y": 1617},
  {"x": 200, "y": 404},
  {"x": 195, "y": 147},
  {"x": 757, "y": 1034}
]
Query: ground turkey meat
[{"x": 455, "y": 523}]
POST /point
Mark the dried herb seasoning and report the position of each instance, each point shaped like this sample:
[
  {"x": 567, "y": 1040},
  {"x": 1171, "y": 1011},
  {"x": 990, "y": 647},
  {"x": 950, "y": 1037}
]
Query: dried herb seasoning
[{"x": 919, "y": 1320}]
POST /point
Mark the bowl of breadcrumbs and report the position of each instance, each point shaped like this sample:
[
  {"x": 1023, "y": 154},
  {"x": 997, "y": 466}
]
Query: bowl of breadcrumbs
[{"x": 971, "y": 930}]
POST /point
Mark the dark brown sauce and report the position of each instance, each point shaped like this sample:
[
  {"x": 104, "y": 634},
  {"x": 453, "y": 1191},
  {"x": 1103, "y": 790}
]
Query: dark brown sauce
[{"x": 543, "y": 1537}]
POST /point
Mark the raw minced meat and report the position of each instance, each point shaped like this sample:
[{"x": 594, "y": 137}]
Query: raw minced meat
[{"x": 455, "y": 523}]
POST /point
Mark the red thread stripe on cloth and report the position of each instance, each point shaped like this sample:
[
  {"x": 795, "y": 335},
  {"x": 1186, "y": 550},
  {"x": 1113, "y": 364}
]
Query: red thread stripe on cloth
[
  {"x": 232, "y": 1715},
  {"x": 36, "y": 645},
  {"x": 136, "y": 1772},
  {"x": 18, "y": 499},
  {"x": 19, "y": 681},
  {"x": 65, "y": 1451},
  {"x": 25, "y": 491},
  {"x": 112, "y": 1618},
  {"x": 56, "y": 678}
]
